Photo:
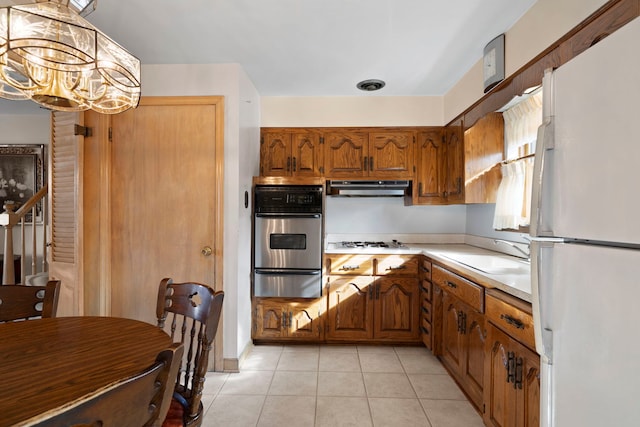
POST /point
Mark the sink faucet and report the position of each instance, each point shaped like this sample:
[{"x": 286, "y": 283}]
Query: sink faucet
[{"x": 526, "y": 253}]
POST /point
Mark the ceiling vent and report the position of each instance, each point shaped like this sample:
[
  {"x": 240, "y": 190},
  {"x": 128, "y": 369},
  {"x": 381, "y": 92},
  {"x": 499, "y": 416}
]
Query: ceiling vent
[{"x": 370, "y": 85}]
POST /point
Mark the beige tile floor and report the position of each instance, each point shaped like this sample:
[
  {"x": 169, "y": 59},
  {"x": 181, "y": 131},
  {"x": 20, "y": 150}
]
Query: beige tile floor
[{"x": 289, "y": 386}]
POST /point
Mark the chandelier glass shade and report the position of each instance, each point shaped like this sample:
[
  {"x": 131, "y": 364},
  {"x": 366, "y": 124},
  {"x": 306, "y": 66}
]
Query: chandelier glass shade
[{"x": 53, "y": 56}]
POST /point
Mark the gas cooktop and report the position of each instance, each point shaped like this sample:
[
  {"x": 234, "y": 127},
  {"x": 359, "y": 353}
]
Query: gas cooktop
[{"x": 355, "y": 245}]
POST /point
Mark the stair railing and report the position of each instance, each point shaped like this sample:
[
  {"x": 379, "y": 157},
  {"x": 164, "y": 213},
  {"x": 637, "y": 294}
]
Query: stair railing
[{"x": 8, "y": 220}]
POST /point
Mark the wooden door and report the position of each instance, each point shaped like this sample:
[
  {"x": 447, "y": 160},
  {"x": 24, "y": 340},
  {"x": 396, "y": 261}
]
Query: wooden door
[
  {"x": 350, "y": 308},
  {"x": 454, "y": 186},
  {"x": 275, "y": 154},
  {"x": 268, "y": 319},
  {"x": 452, "y": 351},
  {"x": 430, "y": 168},
  {"x": 529, "y": 395},
  {"x": 391, "y": 154},
  {"x": 397, "y": 309},
  {"x": 166, "y": 192},
  {"x": 305, "y": 320},
  {"x": 346, "y": 154},
  {"x": 306, "y": 154},
  {"x": 474, "y": 336},
  {"x": 499, "y": 394}
]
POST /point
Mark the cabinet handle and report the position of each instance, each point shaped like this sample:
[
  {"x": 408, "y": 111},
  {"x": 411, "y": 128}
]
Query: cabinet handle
[
  {"x": 511, "y": 375},
  {"x": 364, "y": 163},
  {"x": 284, "y": 320},
  {"x": 349, "y": 267},
  {"x": 459, "y": 322},
  {"x": 396, "y": 267},
  {"x": 419, "y": 189},
  {"x": 425, "y": 310},
  {"x": 294, "y": 164},
  {"x": 464, "y": 323},
  {"x": 451, "y": 284},
  {"x": 517, "y": 383},
  {"x": 371, "y": 291},
  {"x": 290, "y": 318},
  {"x": 378, "y": 291},
  {"x": 371, "y": 163},
  {"x": 424, "y": 269},
  {"x": 288, "y": 164},
  {"x": 424, "y": 330},
  {"x": 512, "y": 321}
]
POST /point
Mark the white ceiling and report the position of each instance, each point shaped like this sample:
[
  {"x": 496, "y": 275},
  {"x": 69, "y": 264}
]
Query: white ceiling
[{"x": 314, "y": 47}]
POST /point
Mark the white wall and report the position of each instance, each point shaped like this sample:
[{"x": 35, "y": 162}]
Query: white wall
[
  {"x": 241, "y": 159},
  {"x": 543, "y": 24},
  {"x": 388, "y": 215},
  {"x": 351, "y": 111}
]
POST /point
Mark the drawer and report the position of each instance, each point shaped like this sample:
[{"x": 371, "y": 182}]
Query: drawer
[
  {"x": 425, "y": 288},
  {"x": 467, "y": 291},
  {"x": 356, "y": 265},
  {"x": 425, "y": 310},
  {"x": 513, "y": 320},
  {"x": 425, "y": 331},
  {"x": 425, "y": 269},
  {"x": 397, "y": 265}
]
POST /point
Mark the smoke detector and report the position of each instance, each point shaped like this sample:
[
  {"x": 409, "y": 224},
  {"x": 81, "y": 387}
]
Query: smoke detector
[{"x": 370, "y": 85}]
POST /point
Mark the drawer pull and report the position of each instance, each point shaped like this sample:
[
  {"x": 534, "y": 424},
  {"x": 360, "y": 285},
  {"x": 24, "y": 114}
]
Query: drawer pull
[
  {"x": 424, "y": 330},
  {"x": 512, "y": 321},
  {"x": 451, "y": 284},
  {"x": 425, "y": 269},
  {"x": 399, "y": 267},
  {"x": 349, "y": 267}
]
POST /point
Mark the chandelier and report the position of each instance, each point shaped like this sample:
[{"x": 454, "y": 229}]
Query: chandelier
[{"x": 53, "y": 56}]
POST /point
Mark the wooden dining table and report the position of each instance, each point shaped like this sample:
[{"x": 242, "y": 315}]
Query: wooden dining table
[{"x": 46, "y": 363}]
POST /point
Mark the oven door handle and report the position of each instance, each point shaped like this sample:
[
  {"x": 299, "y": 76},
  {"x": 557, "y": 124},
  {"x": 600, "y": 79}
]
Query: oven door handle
[
  {"x": 289, "y": 271},
  {"x": 288, "y": 215}
]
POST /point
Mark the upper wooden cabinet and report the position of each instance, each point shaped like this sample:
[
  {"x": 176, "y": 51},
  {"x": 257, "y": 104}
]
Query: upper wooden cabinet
[
  {"x": 483, "y": 154},
  {"x": 374, "y": 154},
  {"x": 439, "y": 177},
  {"x": 290, "y": 153}
]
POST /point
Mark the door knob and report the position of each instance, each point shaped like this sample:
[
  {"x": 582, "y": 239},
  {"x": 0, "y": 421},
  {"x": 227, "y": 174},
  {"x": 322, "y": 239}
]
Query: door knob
[{"x": 206, "y": 251}]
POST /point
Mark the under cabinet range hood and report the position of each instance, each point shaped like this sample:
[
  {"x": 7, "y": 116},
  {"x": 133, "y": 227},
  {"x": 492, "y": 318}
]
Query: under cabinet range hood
[{"x": 371, "y": 188}]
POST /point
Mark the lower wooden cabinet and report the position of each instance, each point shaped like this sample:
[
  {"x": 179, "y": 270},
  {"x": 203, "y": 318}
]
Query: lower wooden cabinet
[
  {"x": 512, "y": 368},
  {"x": 373, "y": 308},
  {"x": 463, "y": 345},
  {"x": 512, "y": 390},
  {"x": 281, "y": 319}
]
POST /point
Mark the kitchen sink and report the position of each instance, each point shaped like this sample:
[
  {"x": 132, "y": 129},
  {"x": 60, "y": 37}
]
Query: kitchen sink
[{"x": 492, "y": 264}]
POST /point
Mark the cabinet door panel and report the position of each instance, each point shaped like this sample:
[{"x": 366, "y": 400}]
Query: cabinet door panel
[
  {"x": 346, "y": 154},
  {"x": 455, "y": 165},
  {"x": 306, "y": 154},
  {"x": 499, "y": 395},
  {"x": 269, "y": 322},
  {"x": 452, "y": 352},
  {"x": 430, "y": 170},
  {"x": 397, "y": 308},
  {"x": 391, "y": 154},
  {"x": 350, "y": 308},
  {"x": 529, "y": 395},
  {"x": 475, "y": 337},
  {"x": 305, "y": 321},
  {"x": 275, "y": 154}
]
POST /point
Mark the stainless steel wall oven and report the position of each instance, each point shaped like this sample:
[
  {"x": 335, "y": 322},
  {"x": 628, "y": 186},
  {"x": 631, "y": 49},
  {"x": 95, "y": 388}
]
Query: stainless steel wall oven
[{"x": 288, "y": 224}]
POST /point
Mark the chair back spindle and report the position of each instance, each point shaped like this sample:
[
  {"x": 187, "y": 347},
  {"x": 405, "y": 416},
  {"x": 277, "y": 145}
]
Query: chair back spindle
[{"x": 194, "y": 311}]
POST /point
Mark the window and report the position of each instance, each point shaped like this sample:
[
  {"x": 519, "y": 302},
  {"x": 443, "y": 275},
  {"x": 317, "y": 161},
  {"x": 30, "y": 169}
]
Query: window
[{"x": 513, "y": 200}]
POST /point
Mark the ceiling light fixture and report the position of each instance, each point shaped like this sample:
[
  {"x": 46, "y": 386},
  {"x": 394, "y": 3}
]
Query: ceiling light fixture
[
  {"x": 370, "y": 85},
  {"x": 53, "y": 56}
]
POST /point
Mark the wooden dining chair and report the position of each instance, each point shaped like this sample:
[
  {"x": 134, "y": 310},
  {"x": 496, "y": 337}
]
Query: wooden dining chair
[
  {"x": 140, "y": 400},
  {"x": 194, "y": 311},
  {"x": 21, "y": 302}
]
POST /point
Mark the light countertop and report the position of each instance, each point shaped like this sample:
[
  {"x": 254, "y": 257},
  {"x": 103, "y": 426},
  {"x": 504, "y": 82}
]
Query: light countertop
[{"x": 491, "y": 269}]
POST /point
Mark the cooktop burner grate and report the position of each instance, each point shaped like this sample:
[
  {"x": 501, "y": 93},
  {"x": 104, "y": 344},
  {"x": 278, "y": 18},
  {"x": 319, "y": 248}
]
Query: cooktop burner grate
[{"x": 392, "y": 244}]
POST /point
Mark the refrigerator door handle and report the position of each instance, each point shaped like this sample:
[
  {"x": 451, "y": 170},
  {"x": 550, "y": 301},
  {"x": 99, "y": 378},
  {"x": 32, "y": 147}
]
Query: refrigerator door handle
[
  {"x": 544, "y": 142},
  {"x": 543, "y": 336}
]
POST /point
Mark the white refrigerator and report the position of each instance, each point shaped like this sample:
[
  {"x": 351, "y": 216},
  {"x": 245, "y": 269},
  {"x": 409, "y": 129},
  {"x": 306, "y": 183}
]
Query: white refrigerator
[{"x": 585, "y": 232}]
